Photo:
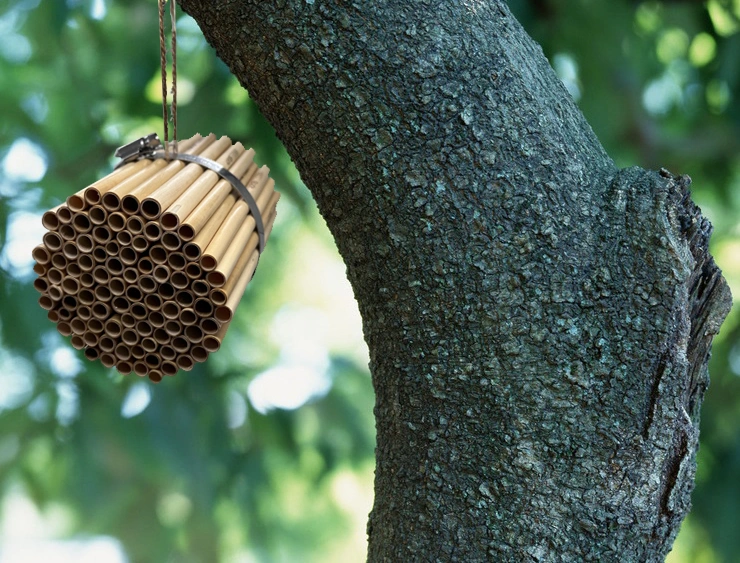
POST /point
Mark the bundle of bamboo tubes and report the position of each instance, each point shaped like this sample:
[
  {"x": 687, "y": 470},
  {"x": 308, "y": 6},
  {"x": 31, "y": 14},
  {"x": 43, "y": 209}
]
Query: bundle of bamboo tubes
[{"x": 144, "y": 268}]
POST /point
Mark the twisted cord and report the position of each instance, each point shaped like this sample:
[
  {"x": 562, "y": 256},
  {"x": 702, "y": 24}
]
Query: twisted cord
[
  {"x": 173, "y": 20},
  {"x": 163, "y": 66}
]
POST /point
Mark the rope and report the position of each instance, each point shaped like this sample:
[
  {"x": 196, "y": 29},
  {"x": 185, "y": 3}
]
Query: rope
[
  {"x": 163, "y": 67},
  {"x": 173, "y": 23}
]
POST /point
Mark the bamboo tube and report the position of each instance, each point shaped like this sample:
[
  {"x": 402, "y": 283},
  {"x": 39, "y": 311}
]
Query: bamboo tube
[
  {"x": 113, "y": 326},
  {"x": 40, "y": 269},
  {"x": 74, "y": 270},
  {"x": 170, "y": 309},
  {"x": 91, "y": 354},
  {"x": 99, "y": 254},
  {"x": 173, "y": 328},
  {"x": 70, "y": 250},
  {"x": 185, "y": 362},
  {"x": 179, "y": 280},
  {"x": 84, "y": 312},
  {"x": 59, "y": 261},
  {"x": 161, "y": 336},
  {"x": 200, "y": 288},
  {"x": 124, "y": 238},
  {"x": 128, "y": 257},
  {"x": 87, "y": 280},
  {"x": 81, "y": 223},
  {"x": 147, "y": 284},
  {"x": 108, "y": 360},
  {"x": 135, "y": 225},
  {"x": 49, "y": 220},
  {"x": 67, "y": 232},
  {"x": 149, "y": 344},
  {"x": 138, "y": 352},
  {"x": 139, "y": 243},
  {"x": 180, "y": 344},
  {"x": 152, "y": 231},
  {"x": 41, "y": 254},
  {"x": 103, "y": 294},
  {"x": 70, "y": 285},
  {"x": 52, "y": 241},
  {"x": 55, "y": 292},
  {"x": 155, "y": 376},
  {"x": 225, "y": 313},
  {"x": 64, "y": 314},
  {"x": 194, "y": 248},
  {"x": 78, "y": 326},
  {"x": 106, "y": 343},
  {"x": 122, "y": 352},
  {"x": 168, "y": 353},
  {"x": 167, "y": 193},
  {"x": 189, "y": 200},
  {"x": 90, "y": 338},
  {"x": 209, "y": 326},
  {"x": 40, "y": 285},
  {"x": 199, "y": 353},
  {"x": 124, "y": 368},
  {"x": 117, "y": 286},
  {"x": 95, "y": 326},
  {"x": 140, "y": 368},
  {"x": 228, "y": 252},
  {"x": 176, "y": 261},
  {"x": 168, "y": 368},
  {"x": 184, "y": 298},
  {"x": 64, "y": 214},
  {"x": 161, "y": 273},
  {"x": 171, "y": 241},
  {"x": 188, "y": 317},
  {"x": 55, "y": 276},
  {"x": 64, "y": 329},
  {"x": 153, "y": 302},
  {"x": 157, "y": 318},
  {"x": 209, "y": 205},
  {"x": 101, "y": 234},
  {"x": 128, "y": 320},
  {"x": 193, "y": 271},
  {"x": 100, "y": 310},
  {"x": 212, "y": 342},
  {"x": 158, "y": 254},
  {"x": 101, "y": 275},
  {"x": 167, "y": 291},
  {"x": 86, "y": 297},
  {"x": 85, "y": 244},
  {"x": 114, "y": 265},
  {"x": 98, "y": 215},
  {"x": 220, "y": 295},
  {"x": 77, "y": 342},
  {"x": 194, "y": 334},
  {"x": 69, "y": 302},
  {"x": 116, "y": 221},
  {"x": 119, "y": 304},
  {"x": 46, "y": 303},
  {"x": 129, "y": 336},
  {"x": 112, "y": 199},
  {"x": 86, "y": 263},
  {"x": 144, "y": 328},
  {"x": 94, "y": 192}
]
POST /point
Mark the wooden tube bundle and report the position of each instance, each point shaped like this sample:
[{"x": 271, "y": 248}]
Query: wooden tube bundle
[{"x": 144, "y": 268}]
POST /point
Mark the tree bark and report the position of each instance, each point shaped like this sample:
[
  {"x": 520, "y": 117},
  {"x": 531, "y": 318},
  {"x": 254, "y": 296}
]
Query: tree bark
[{"x": 539, "y": 322}]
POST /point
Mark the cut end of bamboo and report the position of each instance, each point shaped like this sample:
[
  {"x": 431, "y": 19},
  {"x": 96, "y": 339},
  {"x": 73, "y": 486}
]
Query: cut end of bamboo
[{"x": 143, "y": 269}]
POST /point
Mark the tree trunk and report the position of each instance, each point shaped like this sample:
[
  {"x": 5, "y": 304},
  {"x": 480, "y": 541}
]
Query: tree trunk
[{"x": 538, "y": 321}]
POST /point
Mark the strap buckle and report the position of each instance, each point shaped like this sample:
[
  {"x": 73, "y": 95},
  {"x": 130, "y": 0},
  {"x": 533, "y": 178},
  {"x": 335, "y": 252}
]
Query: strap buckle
[{"x": 139, "y": 148}]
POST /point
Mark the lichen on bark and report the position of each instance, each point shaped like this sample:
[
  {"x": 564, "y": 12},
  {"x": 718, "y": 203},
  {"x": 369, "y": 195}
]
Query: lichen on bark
[{"x": 538, "y": 321}]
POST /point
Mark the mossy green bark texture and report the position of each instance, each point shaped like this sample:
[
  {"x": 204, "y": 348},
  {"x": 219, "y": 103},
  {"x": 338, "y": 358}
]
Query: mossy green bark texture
[{"x": 539, "y": 322}]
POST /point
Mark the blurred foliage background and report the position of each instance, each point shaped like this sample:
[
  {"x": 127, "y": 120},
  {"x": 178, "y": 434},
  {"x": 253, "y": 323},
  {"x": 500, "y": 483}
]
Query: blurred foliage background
[{"x": 264, "y": 453}]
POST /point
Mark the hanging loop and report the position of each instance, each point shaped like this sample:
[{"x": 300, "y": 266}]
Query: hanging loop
[{"x": 163, "y": 68}]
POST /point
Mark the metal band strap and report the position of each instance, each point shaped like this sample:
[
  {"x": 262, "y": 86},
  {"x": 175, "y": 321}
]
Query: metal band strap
[{"x": 149, "y": 147}]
